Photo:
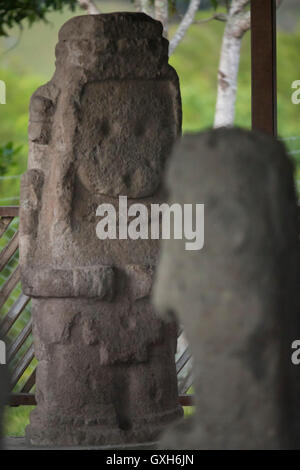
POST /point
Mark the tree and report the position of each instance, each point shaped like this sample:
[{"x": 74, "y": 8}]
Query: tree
[
  {"x": 159, "y": 9},
  {"x": 237, "y": 19},
  {"x": 89, "y": 6},
  {"x": 14, "y": 12},
  {"x": 237, "y": 24}
]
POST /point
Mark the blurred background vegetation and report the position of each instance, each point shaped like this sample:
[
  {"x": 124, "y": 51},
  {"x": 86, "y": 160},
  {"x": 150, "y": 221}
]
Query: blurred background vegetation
[{"x": 27, "y": 61}]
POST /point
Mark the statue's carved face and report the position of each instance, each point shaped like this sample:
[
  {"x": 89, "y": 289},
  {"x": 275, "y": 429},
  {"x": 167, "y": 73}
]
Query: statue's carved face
[{"x": 124, "y": 135}]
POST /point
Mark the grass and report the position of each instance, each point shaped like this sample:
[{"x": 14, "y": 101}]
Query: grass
[
  {"x": 16, "y": 419},
  {"x": 188, "y": 411}
]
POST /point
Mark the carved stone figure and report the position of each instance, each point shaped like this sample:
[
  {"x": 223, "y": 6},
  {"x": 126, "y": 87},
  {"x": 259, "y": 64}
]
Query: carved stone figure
[
  {"x": 102, "y": 127},
  {"x": 237, "y": 298}
]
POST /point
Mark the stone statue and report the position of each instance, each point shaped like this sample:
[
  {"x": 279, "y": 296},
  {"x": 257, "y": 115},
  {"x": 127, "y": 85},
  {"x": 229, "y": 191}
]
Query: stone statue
[
  {"x": 102, "y": 127},
  {"x": 237, "y": 298}
]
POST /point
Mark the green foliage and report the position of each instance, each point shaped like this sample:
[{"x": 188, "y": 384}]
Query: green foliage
[
  {"x": 15, "y": 11},
  {"x": 196, "y": 61},
  {"x": 214, "y": 3},
  {"x": 7, "y": 153},
  {"x": 217, "y": 3},
  {"x": 14, "y": 122},
  {"x": 16, "y": 420}
]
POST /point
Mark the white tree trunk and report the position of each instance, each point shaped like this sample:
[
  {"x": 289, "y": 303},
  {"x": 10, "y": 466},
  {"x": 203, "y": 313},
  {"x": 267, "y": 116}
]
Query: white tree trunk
[
  {"x": 137, "y": 5},
  {"x": 146, "y": 7},
  {"x": 161, "y": 11},
  {"x": 184, "y": 25},
  {"x": 227, "y": 81},
  {"x": 237, "y": 24},
  {"x": 89, "y": 6}
]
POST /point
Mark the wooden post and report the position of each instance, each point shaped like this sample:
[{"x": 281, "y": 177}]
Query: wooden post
[{"x": 263, "y": 55}]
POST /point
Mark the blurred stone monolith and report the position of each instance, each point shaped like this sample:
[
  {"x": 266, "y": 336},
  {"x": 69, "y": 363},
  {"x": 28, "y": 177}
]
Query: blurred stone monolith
[
  {"x": 102, "y": 127},
  {"x": 237, "y": 298}
]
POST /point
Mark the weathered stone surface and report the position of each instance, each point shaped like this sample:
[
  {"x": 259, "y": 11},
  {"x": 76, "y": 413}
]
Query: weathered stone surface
[
  {"x": 91, "y": 281},
  {"x": 100, "y": 376},
  {"x": 102, "y": 127},
  {"x": 238, "y": 297},
  {"x": 140, "y": 280}
]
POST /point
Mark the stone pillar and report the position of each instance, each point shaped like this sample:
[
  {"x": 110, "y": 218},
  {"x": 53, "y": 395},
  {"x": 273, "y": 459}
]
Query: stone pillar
[
  {"x": 237, "y": 298},
  {"x": 102, "y": 127}
]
